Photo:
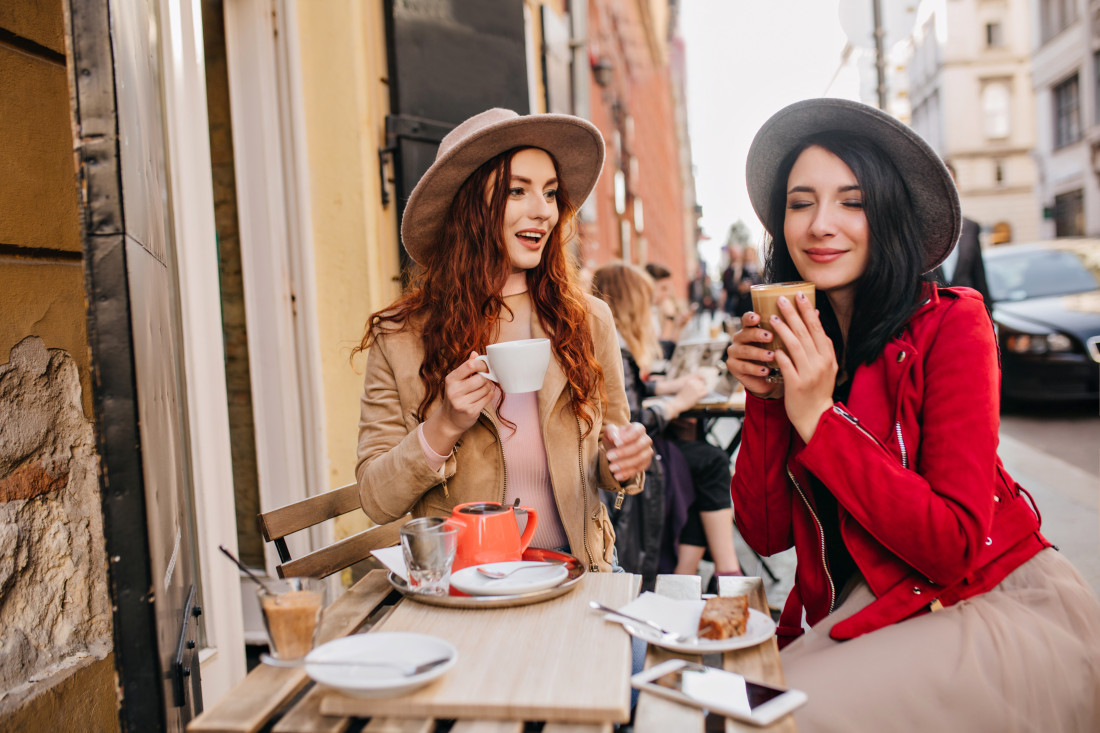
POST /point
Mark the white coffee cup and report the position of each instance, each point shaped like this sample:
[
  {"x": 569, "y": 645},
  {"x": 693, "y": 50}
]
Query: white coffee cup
[{"x": 517, "y": 366}]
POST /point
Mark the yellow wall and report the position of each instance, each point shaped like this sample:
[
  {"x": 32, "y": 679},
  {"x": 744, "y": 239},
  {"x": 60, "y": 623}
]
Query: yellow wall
[
  {"x": 343, "y": 62},
  {"x": 41, "y": 284}
]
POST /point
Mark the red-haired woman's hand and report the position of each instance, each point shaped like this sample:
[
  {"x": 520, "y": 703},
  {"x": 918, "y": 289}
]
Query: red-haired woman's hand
[
  {"x": 629, "y": 449},
  {"x": 750, "y": 358},
  {"x": 465, "y": 393}
]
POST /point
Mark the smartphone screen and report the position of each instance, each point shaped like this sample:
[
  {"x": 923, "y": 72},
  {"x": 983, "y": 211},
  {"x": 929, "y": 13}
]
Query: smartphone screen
[{"x": 717, "y": 688}]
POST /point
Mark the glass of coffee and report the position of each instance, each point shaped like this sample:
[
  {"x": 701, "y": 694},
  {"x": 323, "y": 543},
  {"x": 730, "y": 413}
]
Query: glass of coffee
[
  {"x": 765, "y": 303},
  {"x": 291, "y": 613}
]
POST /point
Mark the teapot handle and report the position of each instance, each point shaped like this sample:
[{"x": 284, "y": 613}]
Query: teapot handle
[{"x": 529, "y": 530}]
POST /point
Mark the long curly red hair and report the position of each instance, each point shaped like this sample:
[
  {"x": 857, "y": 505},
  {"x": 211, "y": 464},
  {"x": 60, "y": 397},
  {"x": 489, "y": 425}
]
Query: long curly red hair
[{"x": 454, "y": 298}]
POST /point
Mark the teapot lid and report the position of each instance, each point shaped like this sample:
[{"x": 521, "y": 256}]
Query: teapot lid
[{"x": 483, "y": 507}]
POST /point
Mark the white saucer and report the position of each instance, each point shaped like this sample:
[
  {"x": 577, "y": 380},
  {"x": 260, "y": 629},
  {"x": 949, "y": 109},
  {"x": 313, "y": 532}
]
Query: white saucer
[
  {"x": 390, "y": 646},
  {"x": 541, "y": 576},
  {"x": 759, "y": 628}
]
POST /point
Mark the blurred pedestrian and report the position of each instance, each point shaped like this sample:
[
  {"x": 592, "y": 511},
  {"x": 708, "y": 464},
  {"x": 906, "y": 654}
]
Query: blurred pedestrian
[
  {"x": 964, "y": 266},
  {"x": 932, "y": 599},
  {"x": 669, "y": 314},
  {"x": 628, "y": 290},
  {"x": 488, "y": 226}
]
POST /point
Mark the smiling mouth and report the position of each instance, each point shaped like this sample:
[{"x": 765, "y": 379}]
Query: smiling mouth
[
  {"x": 823, "y": 254},
  {"x": 531, "y": 240}
]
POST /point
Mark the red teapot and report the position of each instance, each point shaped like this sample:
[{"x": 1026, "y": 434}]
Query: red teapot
[{"x": 489, "y": 532}]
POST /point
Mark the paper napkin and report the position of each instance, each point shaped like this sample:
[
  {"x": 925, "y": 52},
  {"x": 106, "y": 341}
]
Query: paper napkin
[
  {"x": 681, "y": 616},
  {"x": 394, "y": 559}
]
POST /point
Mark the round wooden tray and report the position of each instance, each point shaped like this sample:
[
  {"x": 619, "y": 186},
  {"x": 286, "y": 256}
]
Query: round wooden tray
[{"x": 458, "y": 599}]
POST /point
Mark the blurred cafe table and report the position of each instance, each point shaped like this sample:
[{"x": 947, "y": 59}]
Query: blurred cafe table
[
  {"x": 707, "y": 415},
  {"x": 558, "y": 662}
]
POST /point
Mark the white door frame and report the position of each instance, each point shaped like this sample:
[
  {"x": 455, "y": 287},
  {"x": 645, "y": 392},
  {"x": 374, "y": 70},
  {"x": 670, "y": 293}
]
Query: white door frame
[
  {"x": 192, "y": 205},
  {"x": 270, "y": 160}
]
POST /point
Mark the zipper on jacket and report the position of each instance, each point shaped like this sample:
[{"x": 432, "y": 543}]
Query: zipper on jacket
[
  {"x": 821, "y": 535},
  {"x": 901, "y": 445},
  {"x": 584, "y": 494},
  {"x": 503, "y": 463},
  {"x": 454, "y": 453}
]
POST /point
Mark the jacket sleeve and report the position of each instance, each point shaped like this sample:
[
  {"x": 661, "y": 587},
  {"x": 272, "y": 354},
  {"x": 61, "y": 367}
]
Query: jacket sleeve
[
  {"x": 936, "y": 514},
  {"x": 392, "y": 470},
  {"x": 762, "y": 494},
  {"x": 616, "y": 411}
]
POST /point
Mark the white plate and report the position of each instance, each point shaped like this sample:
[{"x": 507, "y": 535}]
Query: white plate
[
  {"x": 759, "y": 628},
  {"x": 389, "y": 646},
  {"x": 541, "y": 576}
]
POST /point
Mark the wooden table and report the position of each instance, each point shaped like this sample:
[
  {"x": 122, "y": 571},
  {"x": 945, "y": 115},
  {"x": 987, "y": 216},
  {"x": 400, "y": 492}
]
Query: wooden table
[
  {"x": 707, "y": 414},
  {"x": 556, "y": 661}
]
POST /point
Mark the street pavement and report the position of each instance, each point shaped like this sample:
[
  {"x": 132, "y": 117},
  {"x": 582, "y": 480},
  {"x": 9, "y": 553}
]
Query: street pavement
[{"x": 1068, "y": 499}]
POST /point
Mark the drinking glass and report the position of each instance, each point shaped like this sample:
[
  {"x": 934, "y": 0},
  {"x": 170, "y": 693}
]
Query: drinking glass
[
  {"x": 429, "y": 545},
  {"x": 292, "y": 613},
  {"x": 765, "y": 303}
]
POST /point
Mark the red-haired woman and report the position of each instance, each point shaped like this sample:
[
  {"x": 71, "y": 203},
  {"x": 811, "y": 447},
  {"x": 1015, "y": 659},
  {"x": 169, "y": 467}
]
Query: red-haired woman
[{"x": 488, "y": 225}]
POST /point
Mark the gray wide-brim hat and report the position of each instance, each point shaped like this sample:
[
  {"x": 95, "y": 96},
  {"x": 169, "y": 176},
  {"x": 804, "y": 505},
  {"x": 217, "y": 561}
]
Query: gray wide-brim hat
[
  {"x": 931, "y": 188},
  {"x": 576, "y": 145}
]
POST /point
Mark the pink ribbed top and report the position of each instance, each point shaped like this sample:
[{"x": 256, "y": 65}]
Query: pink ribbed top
[{"x": 524, "y": 450}]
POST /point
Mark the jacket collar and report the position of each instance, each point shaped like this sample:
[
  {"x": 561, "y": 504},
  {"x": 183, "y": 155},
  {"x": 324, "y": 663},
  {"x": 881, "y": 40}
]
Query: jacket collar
[{"x": 554, "y": 383}]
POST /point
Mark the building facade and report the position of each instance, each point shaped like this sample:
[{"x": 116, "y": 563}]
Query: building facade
[
  {"x": 971, "y": 98},
  {"x": 1065, "y": 73}
]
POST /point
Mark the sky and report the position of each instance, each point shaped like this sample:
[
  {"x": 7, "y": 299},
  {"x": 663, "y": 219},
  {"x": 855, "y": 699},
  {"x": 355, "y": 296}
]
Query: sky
[{"x": 746, "y": 59}]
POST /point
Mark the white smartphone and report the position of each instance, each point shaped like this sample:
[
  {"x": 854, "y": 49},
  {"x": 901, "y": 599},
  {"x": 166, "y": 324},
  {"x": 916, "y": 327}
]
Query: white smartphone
[{"x": 718, "y": 691}]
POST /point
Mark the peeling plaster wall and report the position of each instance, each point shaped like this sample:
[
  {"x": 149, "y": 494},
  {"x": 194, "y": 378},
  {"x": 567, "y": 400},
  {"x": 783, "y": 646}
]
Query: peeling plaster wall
[{"x": 54, "y": 602}]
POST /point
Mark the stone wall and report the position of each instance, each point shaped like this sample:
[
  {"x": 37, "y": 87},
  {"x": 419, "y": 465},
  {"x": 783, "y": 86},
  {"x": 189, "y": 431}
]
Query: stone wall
[{"x": 54, "y": 602}]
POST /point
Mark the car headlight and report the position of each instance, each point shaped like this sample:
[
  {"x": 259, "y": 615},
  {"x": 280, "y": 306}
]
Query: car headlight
[{"x": 1037, "y": 343}]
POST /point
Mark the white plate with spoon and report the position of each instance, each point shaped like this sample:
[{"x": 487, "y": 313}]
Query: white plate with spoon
[
  {"x": 508, "y": 578},
  {"x": 380, "y": 663}
]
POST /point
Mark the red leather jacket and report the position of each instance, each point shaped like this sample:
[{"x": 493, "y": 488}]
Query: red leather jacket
[{"x": 927, "y": 511}]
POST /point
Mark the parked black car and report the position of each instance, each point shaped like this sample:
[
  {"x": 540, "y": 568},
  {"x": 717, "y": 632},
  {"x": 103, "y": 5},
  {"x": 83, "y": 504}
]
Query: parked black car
[{"x": 1046, "y": 309}]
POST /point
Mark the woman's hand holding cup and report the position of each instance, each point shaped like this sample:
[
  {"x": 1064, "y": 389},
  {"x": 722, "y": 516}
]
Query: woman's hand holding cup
[
  {"x": 629, "y": 450},
  {"x": 751, "y": 358},
  {"x": 465, "y": 393}
]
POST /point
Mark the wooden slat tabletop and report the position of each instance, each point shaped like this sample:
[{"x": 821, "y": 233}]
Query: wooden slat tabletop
[
  {"x": 256, "y": 698},
  {"x": 266, "y": 690},
  {"x": 555, "y": 661}
]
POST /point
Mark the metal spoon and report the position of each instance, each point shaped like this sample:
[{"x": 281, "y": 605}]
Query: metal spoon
[
  {"x": 408, "y": 670},
  {"x": 497, "y": 575},
  {"x": 674, "y": 635}
]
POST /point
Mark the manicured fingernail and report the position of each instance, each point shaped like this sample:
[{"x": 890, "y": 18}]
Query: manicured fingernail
[
  {"x": 615, "y": 468},
  {"x": 783, "y": 301},
  {"x": 763, "y": 370},
  {"x": 612, "y": 455},
  {"x": 775, "y": 319},
  {"x": 802, "y": 297},
  {"x": 771, "y": 354}
]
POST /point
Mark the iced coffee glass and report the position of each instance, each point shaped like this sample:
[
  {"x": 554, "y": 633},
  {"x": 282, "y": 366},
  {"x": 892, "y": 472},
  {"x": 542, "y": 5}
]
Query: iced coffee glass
[
  {"x": 765, "y": 303},
  {"x": 292, "y": 613}
]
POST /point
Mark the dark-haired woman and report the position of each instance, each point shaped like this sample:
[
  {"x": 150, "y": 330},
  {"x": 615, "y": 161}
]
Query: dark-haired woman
[
  {"x": 488, "y": 226},
  {"x": 925, "y": 596}
]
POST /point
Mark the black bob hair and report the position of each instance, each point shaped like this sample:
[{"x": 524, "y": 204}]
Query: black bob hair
[{"x": 888, "y": 292}]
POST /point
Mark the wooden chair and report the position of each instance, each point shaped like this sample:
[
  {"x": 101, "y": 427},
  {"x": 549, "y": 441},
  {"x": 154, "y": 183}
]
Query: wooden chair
[{"x": 278, "y": 523}]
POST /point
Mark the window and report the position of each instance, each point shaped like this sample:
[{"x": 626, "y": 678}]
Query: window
[
  {"x": 994, "y": 35},
  {"x": 996, "y": 101},
  {"x": 1069, "y": 214},
  {"x": 1096, "y": 89},
  {"x": 1067, "y": 118},
  {"x": 1056, "y": 16}
]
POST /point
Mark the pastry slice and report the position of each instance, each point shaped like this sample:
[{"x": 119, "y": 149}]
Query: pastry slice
[{"x": 723, "y": 618}]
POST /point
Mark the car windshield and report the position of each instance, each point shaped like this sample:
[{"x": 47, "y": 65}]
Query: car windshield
[{"x": 1041, "y": 273}]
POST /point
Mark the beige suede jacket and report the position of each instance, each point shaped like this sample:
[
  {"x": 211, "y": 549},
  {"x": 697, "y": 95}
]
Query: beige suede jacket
[{"x": 394, "y": 476}]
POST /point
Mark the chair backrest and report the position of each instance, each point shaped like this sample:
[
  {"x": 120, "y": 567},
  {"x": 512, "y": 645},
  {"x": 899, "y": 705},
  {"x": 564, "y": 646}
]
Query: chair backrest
[{"x": 278, "y": 523}]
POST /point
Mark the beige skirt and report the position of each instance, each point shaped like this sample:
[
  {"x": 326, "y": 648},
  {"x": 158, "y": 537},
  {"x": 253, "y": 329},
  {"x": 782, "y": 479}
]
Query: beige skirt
[{"x": 1024, "y": 656}]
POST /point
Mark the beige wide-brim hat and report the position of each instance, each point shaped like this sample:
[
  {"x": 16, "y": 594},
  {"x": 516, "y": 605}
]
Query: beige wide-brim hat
[
  {"x": 931, "y": 188},
  {"x": 575, "y": 143}
]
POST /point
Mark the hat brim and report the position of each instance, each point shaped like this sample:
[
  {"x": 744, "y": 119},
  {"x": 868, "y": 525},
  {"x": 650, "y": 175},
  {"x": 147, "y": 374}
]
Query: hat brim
[
  {"x": 575, "y": 144},
  {"x": 931, "y": 189}
]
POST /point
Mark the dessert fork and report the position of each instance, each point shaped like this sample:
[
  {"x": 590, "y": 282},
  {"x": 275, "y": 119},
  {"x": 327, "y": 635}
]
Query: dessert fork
[{"x": 674, "y": 635}]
